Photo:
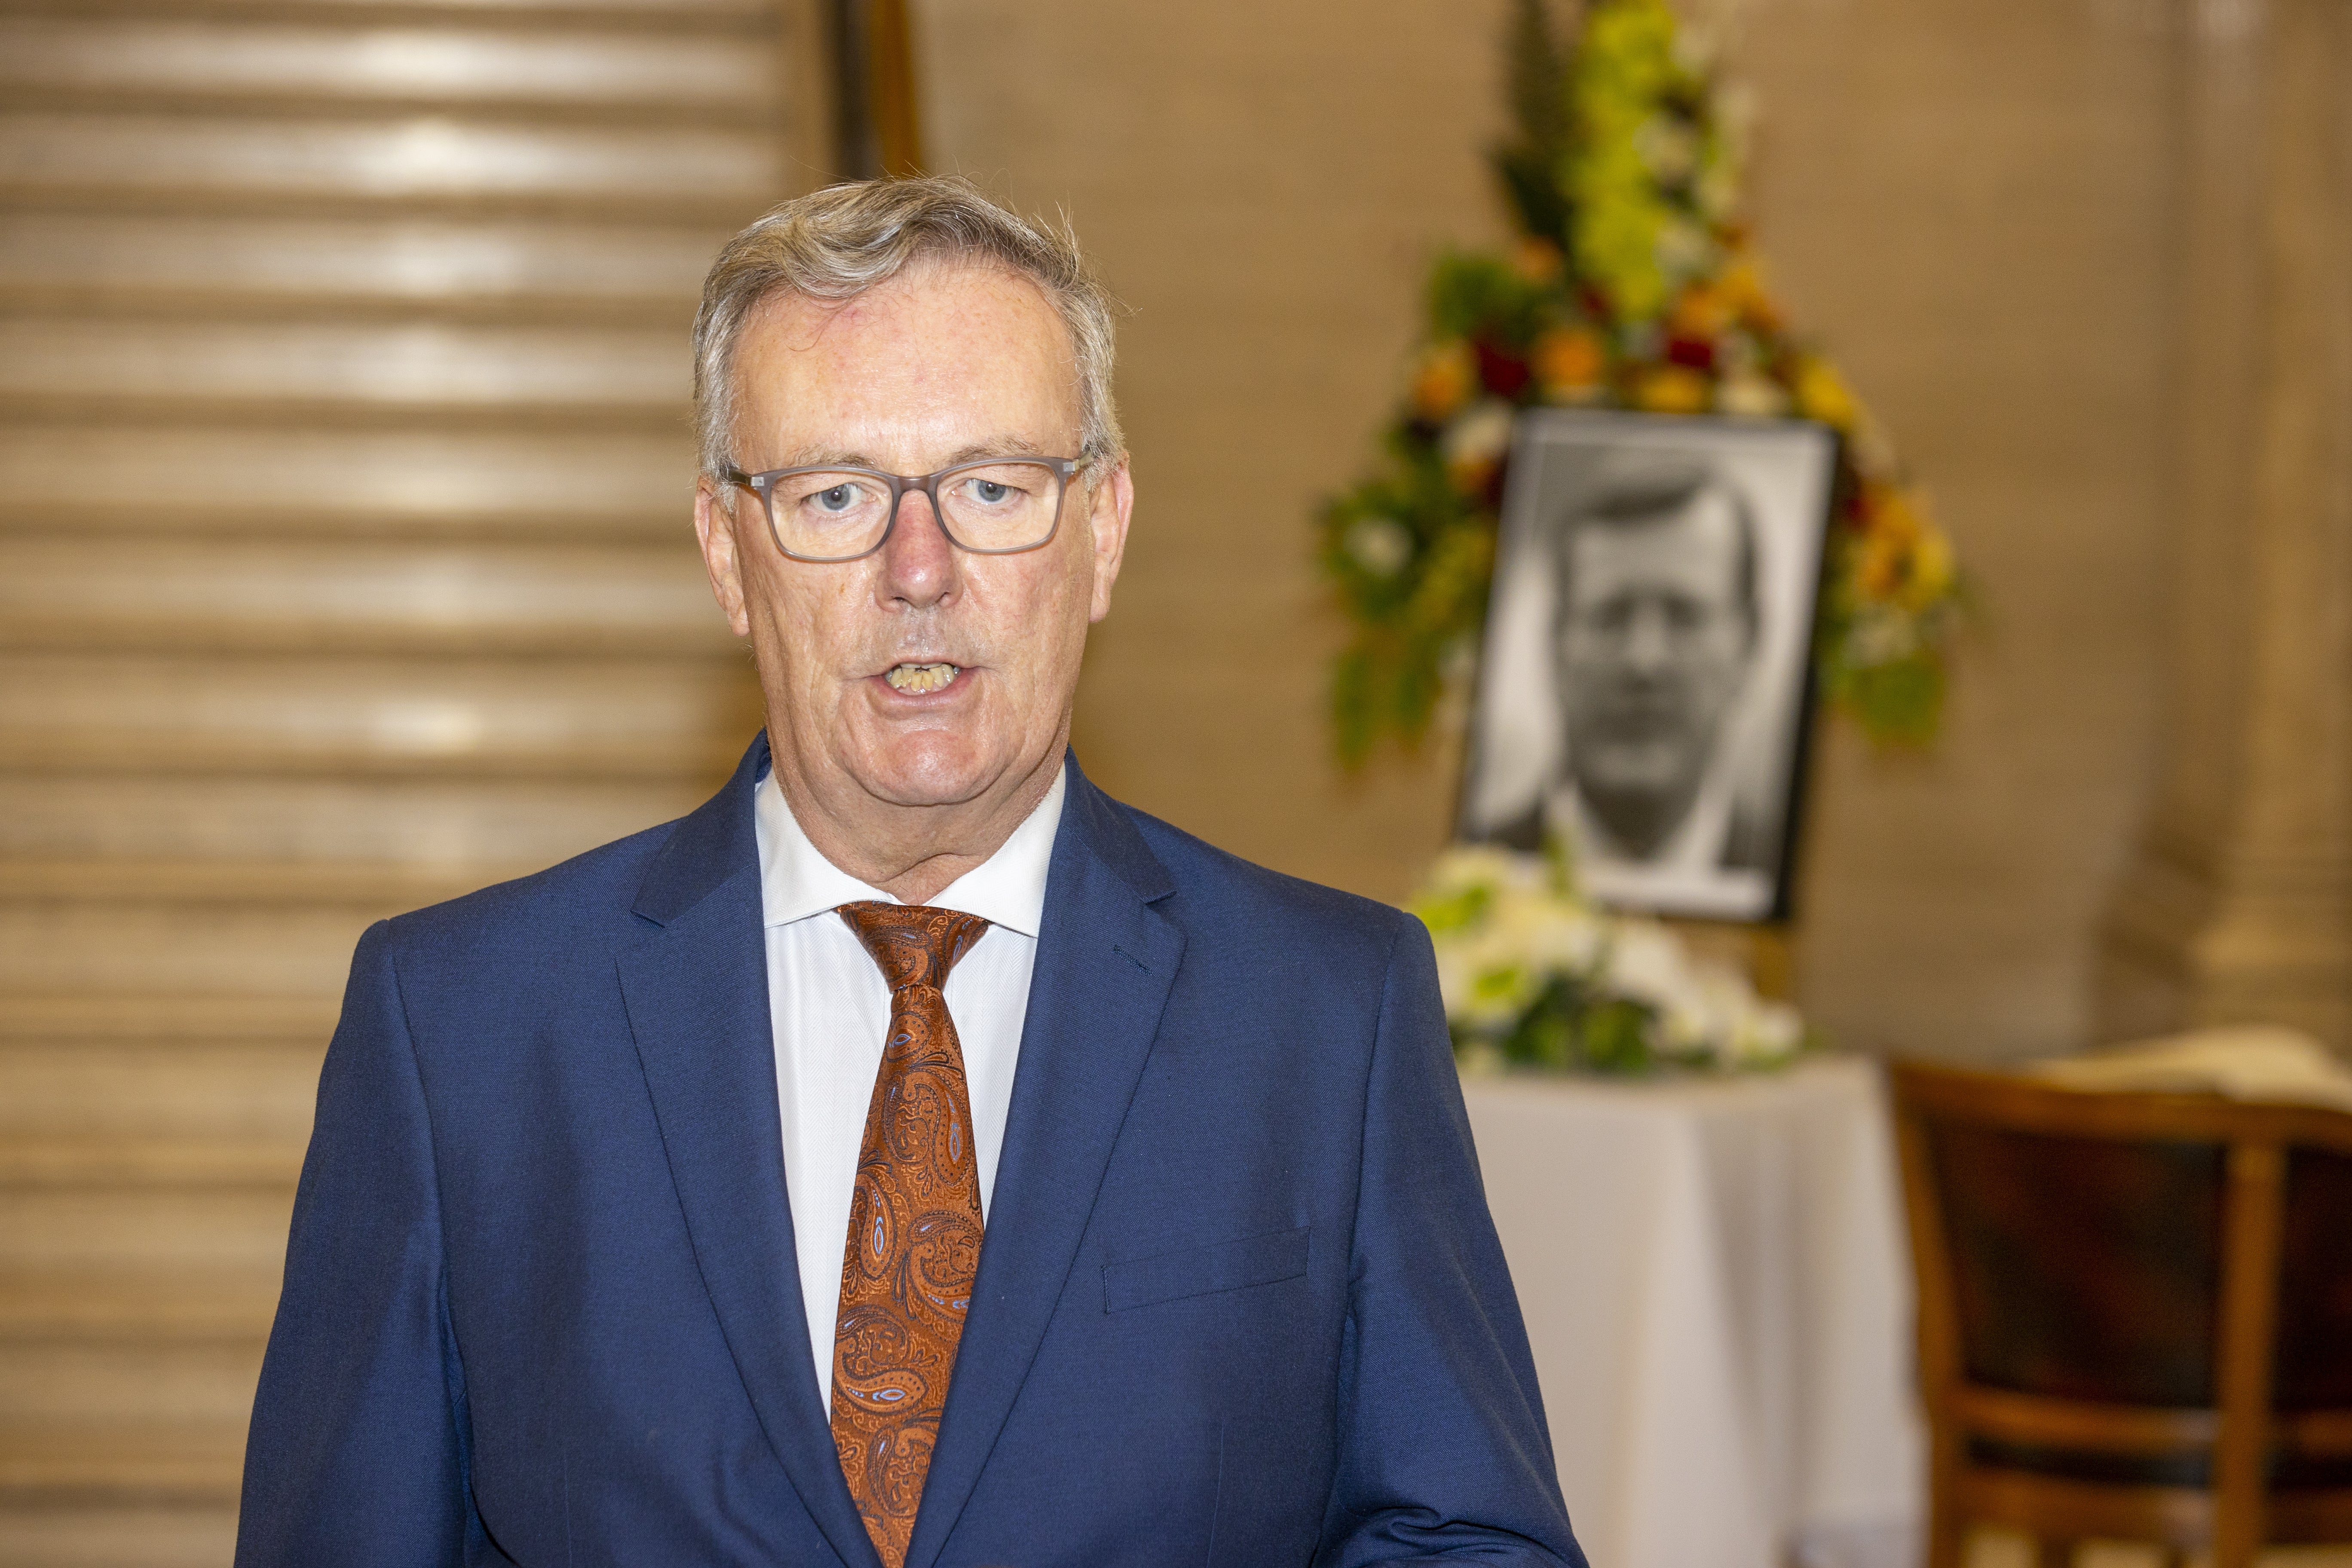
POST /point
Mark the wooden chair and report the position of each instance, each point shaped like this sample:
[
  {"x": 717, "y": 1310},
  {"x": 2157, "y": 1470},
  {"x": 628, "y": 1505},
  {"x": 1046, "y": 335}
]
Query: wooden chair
[{"x": 2135, "y": 1315}]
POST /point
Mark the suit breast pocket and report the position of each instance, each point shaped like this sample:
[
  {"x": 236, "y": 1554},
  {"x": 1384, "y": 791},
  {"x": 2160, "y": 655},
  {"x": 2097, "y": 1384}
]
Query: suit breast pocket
[{"x": 1266, "y": 1259}]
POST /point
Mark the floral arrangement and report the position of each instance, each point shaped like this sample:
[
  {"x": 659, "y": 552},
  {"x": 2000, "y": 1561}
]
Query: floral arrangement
[
  {"x": 1635, "y": 284},
  {"x": 1533, "y": 975}
]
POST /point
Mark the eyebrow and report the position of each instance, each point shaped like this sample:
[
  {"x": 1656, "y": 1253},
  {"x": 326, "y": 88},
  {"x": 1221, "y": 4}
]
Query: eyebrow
[{"x": 978, "y": 452}]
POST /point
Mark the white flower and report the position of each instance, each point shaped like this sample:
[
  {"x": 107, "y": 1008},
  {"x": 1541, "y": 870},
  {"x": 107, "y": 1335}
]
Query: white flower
[
  {"x": 1505, "y": 928},
  {"x": 1645, "y": 963},
  {"x": 1881, "y": 635},
  {"x": 1380, "y": 545},
  {"x": 1670, "y": 148},
  {"x": 1480, "y": 433},
  {"x": 1553, "y": 935},
  {"x": 1770, "y": 1032},
  {"x": 1752, "y": 396},
  {"x": 1467, "y": 867},
  {"x": 1485, "y": 984},
  {"x": 1685, "y": 248}
]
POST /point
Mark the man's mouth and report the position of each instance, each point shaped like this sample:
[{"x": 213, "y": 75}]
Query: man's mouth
[{"x": 916, "y": 678}]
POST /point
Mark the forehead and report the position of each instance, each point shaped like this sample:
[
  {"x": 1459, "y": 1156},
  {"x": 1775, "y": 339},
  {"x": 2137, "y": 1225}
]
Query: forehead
[
  {"x": 960, "y": 354},
  {"x": 1692, "y": 549}
]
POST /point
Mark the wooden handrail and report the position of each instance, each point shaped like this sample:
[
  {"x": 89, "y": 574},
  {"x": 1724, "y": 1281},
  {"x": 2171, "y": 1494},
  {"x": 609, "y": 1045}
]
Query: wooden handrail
[{"x": 2029, "y": 1418}]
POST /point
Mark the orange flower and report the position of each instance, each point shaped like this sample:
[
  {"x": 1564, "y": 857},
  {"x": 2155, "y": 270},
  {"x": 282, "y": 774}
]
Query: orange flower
[
  {"x": 1904, "y": 557},
  {"x": 1673, "y": 389},
  {"x": 1701, "y": 313},
  {"x": 1447, "y": 374},
  {"x": 1570, "y": 361},
  {"x": 1884, "y": 563}
]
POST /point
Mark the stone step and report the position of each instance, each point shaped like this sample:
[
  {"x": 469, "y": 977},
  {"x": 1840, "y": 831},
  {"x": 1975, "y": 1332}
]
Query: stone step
[
  {"x": 158, "y": 1019},
  {"x": 117, "y": 927},
  {"x": 206, "y": 1232},
  {"x": 131, "y": 1163},
  {"x": 61, "y": 1463},
  {"x": 214, "y": 266},
  {"x": 128, "y": 1306},
  {"x": 568, "y": 719},
  {"x": 194, "y": 1382},
  {"x": 170, "y": 814},
  {"x": 67, "y": 592},
  {"x": 594, "y": 13},
  {"x": 104, "y": 1095},
  {"x": 306, "y": 371},
  {"x": 168, "y": 163},
  {"x": 356, "y": 62},
  {"x": 122, "y": 1532},
  {"x": 555, "y": 485}
]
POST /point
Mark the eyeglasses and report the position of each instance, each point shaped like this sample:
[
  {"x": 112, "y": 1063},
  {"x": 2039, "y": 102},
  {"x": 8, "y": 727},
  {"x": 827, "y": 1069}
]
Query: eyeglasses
[{"x": 998, "y": 506}]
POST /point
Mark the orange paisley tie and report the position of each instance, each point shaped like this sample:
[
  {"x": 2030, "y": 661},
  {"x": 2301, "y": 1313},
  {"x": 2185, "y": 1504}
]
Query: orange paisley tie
[{"x": 914, "y": 1227}]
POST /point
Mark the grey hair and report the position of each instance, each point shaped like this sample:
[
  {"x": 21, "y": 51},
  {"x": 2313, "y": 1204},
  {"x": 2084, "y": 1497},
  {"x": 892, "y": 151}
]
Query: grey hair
[{"x": 837, "y": 243}]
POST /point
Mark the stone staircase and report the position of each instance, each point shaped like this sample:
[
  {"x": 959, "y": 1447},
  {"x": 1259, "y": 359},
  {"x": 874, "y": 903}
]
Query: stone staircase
[{"x": 344, "y": 565}]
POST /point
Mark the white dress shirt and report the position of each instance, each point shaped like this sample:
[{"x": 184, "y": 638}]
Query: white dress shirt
[
  {"x": 1686, "y": 871},
  {"x": 829, "y": 1007}
]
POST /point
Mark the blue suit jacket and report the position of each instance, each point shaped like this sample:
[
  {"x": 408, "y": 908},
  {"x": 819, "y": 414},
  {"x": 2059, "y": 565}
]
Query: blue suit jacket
[{"x": 1240, "y": 1300}]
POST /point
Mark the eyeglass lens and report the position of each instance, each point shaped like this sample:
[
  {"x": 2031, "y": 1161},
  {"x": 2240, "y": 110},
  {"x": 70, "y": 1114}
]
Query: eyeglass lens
[{"x": 832, "y": 515}]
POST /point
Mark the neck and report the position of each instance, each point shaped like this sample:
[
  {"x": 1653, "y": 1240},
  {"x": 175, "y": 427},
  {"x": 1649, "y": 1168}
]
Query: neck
[{"x": 913, "y": 852}]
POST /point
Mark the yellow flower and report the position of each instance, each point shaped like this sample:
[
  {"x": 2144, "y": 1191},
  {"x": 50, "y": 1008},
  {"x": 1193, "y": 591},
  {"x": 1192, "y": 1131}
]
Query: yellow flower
[
  {"x": 1742, "y": 287},
  {"x": 1906, "y": 560},
  {"x": 1673, "y": 389},
  {"x": 1447, "y": 376},
  {"x": 1931, "y": 569},
  {"x": 1570, "y": 361},
  {"x": 1821, "y": 394}
]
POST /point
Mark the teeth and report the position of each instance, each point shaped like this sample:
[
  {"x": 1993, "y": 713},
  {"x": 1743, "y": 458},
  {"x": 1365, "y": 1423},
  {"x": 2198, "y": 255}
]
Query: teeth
[{"x": 915, "y": 678}]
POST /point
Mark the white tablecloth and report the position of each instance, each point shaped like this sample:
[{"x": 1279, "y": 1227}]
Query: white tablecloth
[{"x": 1716, "y": 1283}]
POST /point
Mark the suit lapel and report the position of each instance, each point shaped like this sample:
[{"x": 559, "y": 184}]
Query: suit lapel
[
  {"x": 696, "y": 991},
  {"x": 1105, "y": 959}
]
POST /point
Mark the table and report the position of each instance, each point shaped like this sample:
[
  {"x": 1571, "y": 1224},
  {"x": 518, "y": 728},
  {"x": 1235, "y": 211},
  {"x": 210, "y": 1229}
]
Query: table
[{"x": 1717, "y": 1289}]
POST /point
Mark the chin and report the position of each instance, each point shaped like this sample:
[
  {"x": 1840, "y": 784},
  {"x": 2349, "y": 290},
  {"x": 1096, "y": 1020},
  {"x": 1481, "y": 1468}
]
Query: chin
[{"x": 931, "y": 768}]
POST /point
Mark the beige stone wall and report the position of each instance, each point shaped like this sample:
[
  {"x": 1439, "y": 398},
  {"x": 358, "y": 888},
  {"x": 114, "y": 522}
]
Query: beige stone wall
[{"x": 1967, "y": 198}]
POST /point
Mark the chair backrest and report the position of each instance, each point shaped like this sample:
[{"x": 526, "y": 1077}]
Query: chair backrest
[
  {"x": 2315, "y": 1328},
  {"x": 2082, "y": 1268},
  {"x": 2134, "y": 1267}
]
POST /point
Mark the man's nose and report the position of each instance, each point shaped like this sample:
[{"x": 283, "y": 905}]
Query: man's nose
[
  {"x": 1648, "y": 645},
  {"x": 919, "y": 567}
]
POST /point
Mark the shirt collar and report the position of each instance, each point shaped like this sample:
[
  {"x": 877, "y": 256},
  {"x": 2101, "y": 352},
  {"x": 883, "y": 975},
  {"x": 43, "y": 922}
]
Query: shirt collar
[
  {"x": 1696, "y": 843},
  {"x": 1007, "y": 889}
]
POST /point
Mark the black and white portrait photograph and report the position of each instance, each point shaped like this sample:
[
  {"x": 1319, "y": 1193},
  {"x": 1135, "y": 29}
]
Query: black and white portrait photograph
[{"x": 1643, "y": 688}]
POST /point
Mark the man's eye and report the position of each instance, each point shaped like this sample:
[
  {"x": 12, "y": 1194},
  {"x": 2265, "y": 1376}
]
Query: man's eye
[
  {"x": 991, "y": 492},
  {"x": 840, "y": 497}
]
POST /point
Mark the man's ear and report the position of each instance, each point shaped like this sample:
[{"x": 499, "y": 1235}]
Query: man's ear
[
  {"x": 1111, "y": 505},
  {"x": 714, "y": 529}
]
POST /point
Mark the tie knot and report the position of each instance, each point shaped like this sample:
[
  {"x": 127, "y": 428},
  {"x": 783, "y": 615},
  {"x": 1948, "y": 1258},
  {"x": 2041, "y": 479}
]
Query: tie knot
[{"x": 914, "y": 943}]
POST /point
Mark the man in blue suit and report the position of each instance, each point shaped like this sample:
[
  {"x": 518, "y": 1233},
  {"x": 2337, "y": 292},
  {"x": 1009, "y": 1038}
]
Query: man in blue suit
[{"x": 913, "y": 1156}]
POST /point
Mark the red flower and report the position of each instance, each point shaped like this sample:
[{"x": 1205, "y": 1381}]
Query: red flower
[
  {"x": 1503, "y": 374},
  {"x": 1698, "y": 354}
]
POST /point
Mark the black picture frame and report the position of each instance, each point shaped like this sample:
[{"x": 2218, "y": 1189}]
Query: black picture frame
[{"x": 1646, "y": 680}]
